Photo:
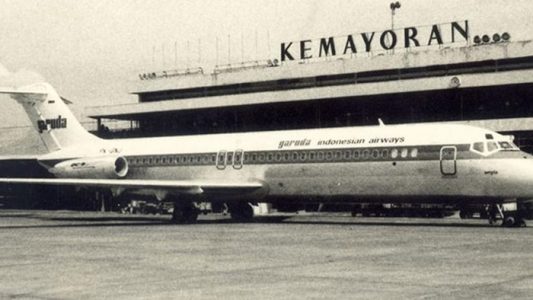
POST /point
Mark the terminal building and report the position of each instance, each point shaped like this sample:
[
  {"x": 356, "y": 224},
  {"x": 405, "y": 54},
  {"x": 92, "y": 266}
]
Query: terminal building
[{"x": 485, "y": 81}]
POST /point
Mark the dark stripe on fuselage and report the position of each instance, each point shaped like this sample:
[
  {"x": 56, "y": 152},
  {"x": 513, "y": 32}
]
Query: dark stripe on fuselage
[{"x": 375, "y": 154}]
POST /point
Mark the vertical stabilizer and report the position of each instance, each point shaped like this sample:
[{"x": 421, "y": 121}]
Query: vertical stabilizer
[{"x": 50, "y": 116}]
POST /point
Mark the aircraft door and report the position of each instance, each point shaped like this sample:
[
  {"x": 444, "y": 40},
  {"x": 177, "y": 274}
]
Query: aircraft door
[
  {"x": 221, "y": 159},
  {"x": 448, "y": 160},
  {"x": 237, "y": 159}
]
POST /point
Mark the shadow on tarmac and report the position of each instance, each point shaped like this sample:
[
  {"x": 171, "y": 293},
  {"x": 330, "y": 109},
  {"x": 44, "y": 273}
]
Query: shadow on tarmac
[{"x": 129, "y": 220}]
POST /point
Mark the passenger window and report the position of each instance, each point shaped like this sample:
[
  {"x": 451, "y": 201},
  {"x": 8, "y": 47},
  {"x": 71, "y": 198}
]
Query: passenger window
[
  {"x": 312, "y": 155},
  {"x": 303, "y": 156},
  {"x": 338, "y": 155},
  {"x": 320, "y": 155},
  {"x": 375, "y": 153},
  {"x": 366, "y": 154},
  {"x": 270, "y": 156},
  {"x": 385, "y": 153},
  {"x": 394, "y": 153},
  {"x": 278, "y": 156},
  {"x": 414, "y": 152},
  {"x": 347, "y": 154},
  {"x": 286, "y": 156},
  {"x": 329, "y": 155},
  {"x": 295, "y": 156},
  {"x": 356, "y": 154},
  {"x": 403, "y": 154},
  {"x": 261, "y": 157}
]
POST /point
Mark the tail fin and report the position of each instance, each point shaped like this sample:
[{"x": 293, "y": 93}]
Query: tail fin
[{"x": 50, "y": 116}]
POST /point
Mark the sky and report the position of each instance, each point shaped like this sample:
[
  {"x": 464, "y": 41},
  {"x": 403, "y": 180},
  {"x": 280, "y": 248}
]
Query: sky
[{"x": 92, "y": 51}]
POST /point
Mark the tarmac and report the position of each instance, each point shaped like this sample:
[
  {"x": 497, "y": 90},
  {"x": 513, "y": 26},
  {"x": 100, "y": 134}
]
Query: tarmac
[{"x": 87, "y": 255}]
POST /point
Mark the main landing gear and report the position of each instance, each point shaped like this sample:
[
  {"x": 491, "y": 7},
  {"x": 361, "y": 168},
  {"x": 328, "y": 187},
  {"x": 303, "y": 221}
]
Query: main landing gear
[
  {"x": 241, "y": 211},
  {"x": 184, "y": 213}
]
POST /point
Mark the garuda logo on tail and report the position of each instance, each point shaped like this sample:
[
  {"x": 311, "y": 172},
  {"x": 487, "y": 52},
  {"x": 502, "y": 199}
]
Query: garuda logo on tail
[{"x": 47, "y": 124}]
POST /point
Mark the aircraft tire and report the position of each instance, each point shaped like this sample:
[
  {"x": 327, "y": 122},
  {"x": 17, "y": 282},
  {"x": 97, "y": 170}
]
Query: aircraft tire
[
  {"x": 509, "y": 221},
  {"x": 241, "y": 211},
  {"x": 184, "y": 214}
]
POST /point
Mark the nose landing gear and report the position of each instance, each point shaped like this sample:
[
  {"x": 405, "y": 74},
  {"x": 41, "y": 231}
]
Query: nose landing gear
[{"x": 510, "y": 215}]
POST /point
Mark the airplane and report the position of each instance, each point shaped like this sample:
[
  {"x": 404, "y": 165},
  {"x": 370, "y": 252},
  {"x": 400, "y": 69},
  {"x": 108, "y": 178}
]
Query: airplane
[{"x": 408, "y": 163}]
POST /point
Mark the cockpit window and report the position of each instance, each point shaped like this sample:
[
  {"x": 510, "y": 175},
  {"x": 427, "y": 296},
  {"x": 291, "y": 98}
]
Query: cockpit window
[
  {"x": 485, "y": 148},
  {"x": 507, "y": 146},
  {"x": 479, "y": 147},
  {"x": 492, "y": 146}
]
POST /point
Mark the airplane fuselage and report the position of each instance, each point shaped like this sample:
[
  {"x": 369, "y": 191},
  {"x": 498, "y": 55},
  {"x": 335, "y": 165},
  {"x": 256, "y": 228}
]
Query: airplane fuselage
[{"x": 428, "y": 163}]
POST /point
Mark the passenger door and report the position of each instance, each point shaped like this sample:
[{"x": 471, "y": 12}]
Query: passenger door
[
  {"x": 448, "y": 160},
  {"x": 238, "y": 159},
  {"x": 221, "y": 159}
]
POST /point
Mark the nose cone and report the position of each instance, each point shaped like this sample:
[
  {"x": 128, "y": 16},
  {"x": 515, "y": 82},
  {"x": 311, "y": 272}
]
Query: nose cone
[
  {"x": 3, "y": 71},
  {"x": 516, "y": 177}
]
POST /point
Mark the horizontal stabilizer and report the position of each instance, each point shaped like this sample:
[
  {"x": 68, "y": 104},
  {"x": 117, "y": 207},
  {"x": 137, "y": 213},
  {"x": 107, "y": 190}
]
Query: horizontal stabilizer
[{"x": 34, "y": 92}]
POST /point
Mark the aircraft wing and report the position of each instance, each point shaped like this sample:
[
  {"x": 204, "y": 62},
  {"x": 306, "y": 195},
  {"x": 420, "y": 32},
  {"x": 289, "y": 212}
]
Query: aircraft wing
[{"x": 193, "y": 187}]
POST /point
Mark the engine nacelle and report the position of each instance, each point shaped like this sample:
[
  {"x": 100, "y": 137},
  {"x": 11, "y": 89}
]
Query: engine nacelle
[{"x": 105, "y": 167}]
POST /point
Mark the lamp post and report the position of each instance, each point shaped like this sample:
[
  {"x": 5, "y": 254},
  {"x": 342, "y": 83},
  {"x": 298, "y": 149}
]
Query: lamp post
[{"x": 393, "y": 7}]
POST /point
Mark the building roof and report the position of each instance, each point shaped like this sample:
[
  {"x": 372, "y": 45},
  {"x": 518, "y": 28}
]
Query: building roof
[{"x": 477, "y": 66}]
